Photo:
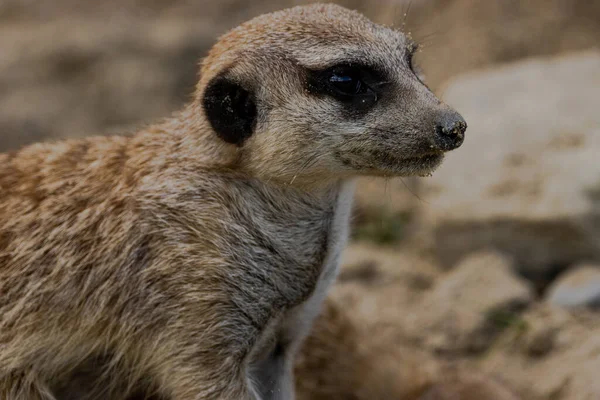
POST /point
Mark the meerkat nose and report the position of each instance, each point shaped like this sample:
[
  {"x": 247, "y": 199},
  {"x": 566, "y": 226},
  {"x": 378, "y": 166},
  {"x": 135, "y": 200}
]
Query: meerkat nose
[{"x": 450, "y": 130}]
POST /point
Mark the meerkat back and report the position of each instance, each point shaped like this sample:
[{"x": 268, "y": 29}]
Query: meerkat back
[{"x": 195, "y": 254}]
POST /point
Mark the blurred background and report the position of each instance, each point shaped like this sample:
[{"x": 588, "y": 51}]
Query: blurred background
[{"x": 493, "y": 263}]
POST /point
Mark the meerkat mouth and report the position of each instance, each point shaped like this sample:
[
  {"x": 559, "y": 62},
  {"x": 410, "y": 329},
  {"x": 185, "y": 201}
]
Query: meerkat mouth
[
  {"x": 425, "y": 158},
  {"x": 422, "y": 165},
  {"x": 384, "y": 164}
]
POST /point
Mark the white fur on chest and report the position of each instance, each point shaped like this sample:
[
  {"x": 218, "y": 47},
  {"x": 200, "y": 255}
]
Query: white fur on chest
[
  {"x": 271, "y": 377},
  {"x": 298, "y": 321}
]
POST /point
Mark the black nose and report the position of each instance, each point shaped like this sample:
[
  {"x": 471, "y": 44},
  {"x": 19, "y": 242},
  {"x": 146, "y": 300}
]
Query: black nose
[{"x": 450, "y": 131}]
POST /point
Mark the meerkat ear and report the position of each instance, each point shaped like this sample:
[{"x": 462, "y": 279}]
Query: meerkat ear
[{"x": 230, "y": 109}]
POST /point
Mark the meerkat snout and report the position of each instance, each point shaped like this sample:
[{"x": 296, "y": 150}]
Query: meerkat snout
[
  {"x": 450, "y": 130},
  {"x": 325, "y": 93}
]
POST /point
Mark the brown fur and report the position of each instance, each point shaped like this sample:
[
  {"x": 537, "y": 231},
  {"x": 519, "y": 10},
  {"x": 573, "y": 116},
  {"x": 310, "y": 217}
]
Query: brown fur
[{"x": 189, "y": 261}]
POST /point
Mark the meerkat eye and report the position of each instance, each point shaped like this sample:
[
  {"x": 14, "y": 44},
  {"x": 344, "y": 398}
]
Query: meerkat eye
[
  {"x": 354, "y": 85},
  {"x": 346, "y": 81}
]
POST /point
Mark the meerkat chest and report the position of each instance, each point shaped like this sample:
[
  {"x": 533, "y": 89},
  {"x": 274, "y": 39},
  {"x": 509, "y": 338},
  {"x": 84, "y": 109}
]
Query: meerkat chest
[
  {"x": 313, "y": 259},
  {"x": 299, "y": 244},
  {"x": 270, "y": 248},
  {"x": 298, "y": 320},
  {"x": 271, "y": 252}
]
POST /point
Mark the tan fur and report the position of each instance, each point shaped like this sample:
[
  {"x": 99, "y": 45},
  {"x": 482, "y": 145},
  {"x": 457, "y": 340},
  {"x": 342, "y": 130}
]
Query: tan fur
[{"x": 174, "y": 257}]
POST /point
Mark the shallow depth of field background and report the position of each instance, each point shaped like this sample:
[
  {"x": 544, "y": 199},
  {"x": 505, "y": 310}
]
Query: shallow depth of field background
[{"x": 493, "y": 263}]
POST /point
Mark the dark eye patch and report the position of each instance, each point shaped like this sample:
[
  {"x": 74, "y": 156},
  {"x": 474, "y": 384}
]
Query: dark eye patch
[{"x": 358, "y": 87}]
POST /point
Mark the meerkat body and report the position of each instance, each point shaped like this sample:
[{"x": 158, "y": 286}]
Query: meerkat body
[{"x": 196, "y": 253}]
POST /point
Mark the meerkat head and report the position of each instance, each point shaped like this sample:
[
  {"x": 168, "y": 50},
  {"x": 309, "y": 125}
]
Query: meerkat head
[{"x": 320, "y": 92}]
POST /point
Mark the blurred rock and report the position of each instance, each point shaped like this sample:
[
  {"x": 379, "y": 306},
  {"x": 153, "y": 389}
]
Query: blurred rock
[
  {"x": 554, "y": 355},
  {"x": 466, "y": 309},
  {"x": 578, "y": 287},
  {"x": 383, "y": 286},
  {"x": 544, "y": 325},
  {"x": 527, "y": 179},
  {"x": 352, "y": 366},
  {"x": 378, "y": 266},
  {"x": 573, "y": 374},
  {"x": 542, "y": 340}
]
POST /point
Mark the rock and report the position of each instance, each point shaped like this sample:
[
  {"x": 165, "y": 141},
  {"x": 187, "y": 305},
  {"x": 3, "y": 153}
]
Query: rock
[
  {"x": 385, "y": 265},
  {"x": 467, "y": 308},
  {"x": 578, "y": 287},
  {"x": 527, "y": 179},
  {"x": 572, "y": 374},
  {"x": 544, "y": 333},
  {"x": 544, "y": 330},
  {"x": 382, "y": 285},
  {"x": 554, "y": 357},
  {"x": 542, "y": 341},
  {"x": 352, "y": 365}
]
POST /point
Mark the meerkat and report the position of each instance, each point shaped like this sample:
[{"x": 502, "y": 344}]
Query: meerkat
[{"x": 196, "y": 252}]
